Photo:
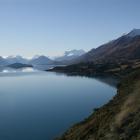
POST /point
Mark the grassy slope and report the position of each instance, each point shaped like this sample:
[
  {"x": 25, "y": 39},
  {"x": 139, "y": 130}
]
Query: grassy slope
[{"x": 117, "y": 120}]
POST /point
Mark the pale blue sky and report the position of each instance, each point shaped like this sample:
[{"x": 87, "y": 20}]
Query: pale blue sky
[{"x": 49, "y": 27}]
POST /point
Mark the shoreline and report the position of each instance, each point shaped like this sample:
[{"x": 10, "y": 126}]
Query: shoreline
[{"x": 113, "y": 120}]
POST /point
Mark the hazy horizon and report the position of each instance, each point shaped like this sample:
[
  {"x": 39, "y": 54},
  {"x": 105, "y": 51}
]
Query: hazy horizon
[{"x": 50, "y": 27}]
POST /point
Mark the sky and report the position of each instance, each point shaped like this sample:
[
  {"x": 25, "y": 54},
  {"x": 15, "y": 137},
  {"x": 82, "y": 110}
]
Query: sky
[{"x": 50, "y": 27}]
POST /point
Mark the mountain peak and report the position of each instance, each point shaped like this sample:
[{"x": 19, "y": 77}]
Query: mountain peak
[
  {"x": 74, "y": 52},
  {"x": 134, "y": 33},
  {"x": 69, "y": 55},
  {"x": 41, "y": 60}
]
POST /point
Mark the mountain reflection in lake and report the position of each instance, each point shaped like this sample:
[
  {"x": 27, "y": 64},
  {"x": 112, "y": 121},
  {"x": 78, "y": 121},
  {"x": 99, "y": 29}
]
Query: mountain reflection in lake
[{"x": 37, "y": 105}]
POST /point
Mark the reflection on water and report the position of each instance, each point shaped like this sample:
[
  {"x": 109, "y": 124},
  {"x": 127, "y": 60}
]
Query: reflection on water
[
  {"x": 45, "y": 67},
  {"x": 13, "y": 70},
  {"x": 37, "y": 105},
  {"x": 112, "y": 81},
  {"x": 109, "y": 80},
  {"x": 27, "y": 70},
  {"x": 10, "y": 72}
]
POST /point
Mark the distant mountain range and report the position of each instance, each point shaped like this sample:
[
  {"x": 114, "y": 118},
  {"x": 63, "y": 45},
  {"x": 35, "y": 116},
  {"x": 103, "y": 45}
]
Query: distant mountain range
[
  {"x": 16, "y": 59},
  {"x": 126, "y": 47},
  {"x": 41, "y": 59}
]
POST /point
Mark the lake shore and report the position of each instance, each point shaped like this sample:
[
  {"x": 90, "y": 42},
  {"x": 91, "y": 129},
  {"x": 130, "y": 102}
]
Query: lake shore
[{"x": 118, "y": 119}]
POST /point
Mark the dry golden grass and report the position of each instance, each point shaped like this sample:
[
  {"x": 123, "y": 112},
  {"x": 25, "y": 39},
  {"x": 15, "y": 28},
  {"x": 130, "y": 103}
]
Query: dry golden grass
[{"x": 131, "y": 105}]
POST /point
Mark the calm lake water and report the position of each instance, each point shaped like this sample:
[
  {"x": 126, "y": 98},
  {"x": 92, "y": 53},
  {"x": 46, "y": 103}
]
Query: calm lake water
[{"x": 36, "y": 105}]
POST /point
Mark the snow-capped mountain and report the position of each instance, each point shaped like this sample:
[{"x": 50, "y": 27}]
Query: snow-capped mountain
[
  {"x": 41, "y": 60},
  {"x": 16, "y": 59},
  {"x": 74, "y": 52},
  {"x": 134, "y": 33},
  {"x": 69, "y": 55}
]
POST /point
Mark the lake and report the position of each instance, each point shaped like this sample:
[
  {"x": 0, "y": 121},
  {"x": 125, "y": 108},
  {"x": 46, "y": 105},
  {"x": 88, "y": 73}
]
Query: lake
[{"x": 37, "y": 105}]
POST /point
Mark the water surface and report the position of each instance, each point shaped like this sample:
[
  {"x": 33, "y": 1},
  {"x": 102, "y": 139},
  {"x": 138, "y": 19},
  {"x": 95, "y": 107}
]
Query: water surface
[{"x": 36, "y": 105}]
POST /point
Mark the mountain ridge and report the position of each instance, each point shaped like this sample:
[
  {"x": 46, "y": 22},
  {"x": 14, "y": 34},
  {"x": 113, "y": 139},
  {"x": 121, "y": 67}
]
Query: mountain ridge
[{"x": 123, "y": 48}]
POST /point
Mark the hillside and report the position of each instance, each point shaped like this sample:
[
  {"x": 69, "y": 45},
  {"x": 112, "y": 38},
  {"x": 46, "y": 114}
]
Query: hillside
[
  {"x": 117, "y": 120},
  {"x": 126, "y": 47},
  {"x": 118, "y": 69}
]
